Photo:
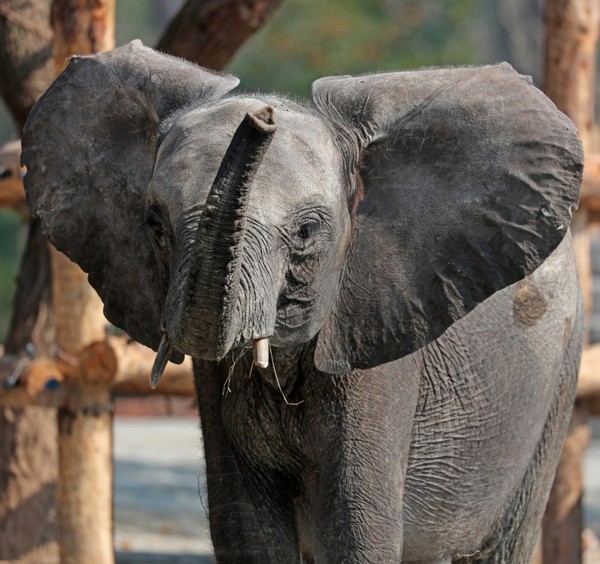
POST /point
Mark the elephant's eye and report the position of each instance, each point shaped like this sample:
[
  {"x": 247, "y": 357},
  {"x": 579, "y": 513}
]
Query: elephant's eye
[
  {"x": 154, "y": 224},
  {"x": 307, "y": 228},
  {"x": 155, "y": 228},
  {"x": 158, "y": 232}
]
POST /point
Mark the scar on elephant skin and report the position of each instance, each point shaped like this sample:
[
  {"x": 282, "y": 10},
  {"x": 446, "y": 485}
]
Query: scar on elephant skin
[{"x": 529, "y": 304}]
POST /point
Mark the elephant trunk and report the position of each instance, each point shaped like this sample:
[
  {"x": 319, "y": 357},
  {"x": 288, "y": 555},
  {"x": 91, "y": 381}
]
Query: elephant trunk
[{"x": 210, "y": 321}]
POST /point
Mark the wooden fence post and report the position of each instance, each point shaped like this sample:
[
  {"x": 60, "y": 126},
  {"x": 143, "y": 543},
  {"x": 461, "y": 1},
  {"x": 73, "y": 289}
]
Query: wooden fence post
[
  {"x": 572, "y": 28},
  {"x": 85, "y": 422}
]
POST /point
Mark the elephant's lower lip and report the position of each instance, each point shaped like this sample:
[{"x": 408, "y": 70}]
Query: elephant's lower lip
[{"x": 242, "y": 347}]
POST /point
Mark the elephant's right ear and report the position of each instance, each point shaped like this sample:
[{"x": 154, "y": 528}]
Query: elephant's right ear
[{"x": 89, "y": 146}]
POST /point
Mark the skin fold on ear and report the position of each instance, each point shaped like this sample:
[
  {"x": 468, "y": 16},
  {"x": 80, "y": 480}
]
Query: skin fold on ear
[
  {"x": 470, "y": 178},
  {"x": 89, "y": 146}
]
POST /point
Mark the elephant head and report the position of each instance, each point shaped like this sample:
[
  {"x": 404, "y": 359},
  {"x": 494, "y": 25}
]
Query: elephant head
[{"x": 368, "y": 221}]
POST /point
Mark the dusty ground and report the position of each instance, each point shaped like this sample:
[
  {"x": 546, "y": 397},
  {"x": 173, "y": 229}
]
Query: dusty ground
[{"x": 160, "y": 492}]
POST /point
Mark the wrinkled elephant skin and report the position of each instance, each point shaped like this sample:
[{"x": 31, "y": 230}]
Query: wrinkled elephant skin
[{"x": 378, "y": 291}]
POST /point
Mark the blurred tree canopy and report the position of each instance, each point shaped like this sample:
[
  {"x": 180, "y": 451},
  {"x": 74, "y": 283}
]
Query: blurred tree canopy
[{"x": 310, "y": 38}]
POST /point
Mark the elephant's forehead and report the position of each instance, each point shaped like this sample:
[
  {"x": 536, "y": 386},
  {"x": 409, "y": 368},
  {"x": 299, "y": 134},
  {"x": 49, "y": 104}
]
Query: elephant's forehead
[{"x": 301, "y": 165}]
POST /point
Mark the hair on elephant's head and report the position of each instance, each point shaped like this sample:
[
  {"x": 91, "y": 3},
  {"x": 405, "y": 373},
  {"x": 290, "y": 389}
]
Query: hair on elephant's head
[{"x": 370, "y": 220}]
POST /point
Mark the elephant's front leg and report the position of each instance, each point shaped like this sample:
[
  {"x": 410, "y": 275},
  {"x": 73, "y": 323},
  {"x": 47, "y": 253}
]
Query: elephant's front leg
[
  {"x": 251, "y": 518},
  {"x": 365, "y": 425}
]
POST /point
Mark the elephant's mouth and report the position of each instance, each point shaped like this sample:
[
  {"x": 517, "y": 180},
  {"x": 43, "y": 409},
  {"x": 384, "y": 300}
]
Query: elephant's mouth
[
  {"x": 261, "y": 351},
  {"x": 292, "y": 324}
]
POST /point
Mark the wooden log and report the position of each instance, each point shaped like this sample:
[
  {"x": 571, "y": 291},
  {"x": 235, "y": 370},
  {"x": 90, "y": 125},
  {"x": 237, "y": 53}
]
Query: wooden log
[
  {"x": 85, "y": 474},
  {"x": 591, "y": 547},
  {"x": 592, "y": 406},
  {"x": 78, "y": 308},
  {"x": 590, "y": 198},
  {"x": 25, "y": 382},
  {"x": 134, "y": 362},
  {"x": 572, "y": 28},
  {"x": 588, "y": 387},
  {"x": 85, "y": 421},
  {"x": 121, "y": 364},
  {"x": 84, "y": 424},
  {"x": 563, "y": 519},
  {"x": 21, "y": 398},
  {"x": 81, "y": 27},
  {"x": 11, "y": 178},
  {"x": 538, "y": 556}
]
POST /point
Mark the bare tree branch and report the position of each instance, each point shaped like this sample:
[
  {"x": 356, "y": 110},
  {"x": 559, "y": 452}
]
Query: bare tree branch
[{"x": 209, "y": 32}]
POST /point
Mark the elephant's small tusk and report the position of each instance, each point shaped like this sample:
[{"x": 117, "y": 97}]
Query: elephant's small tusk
[
  {"x": 260, "y": 348},
  {"x": 160, "y": 362}
]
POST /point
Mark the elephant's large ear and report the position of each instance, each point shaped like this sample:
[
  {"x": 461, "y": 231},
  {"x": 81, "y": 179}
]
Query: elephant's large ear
[
  {"x": 89, "y": 146},
  {"x": 470, "y": 177}
]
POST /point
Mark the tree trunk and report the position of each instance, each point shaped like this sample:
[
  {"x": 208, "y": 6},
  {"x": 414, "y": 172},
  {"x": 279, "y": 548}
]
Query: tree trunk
[
  {"x": 563, "y": 520},
  {"x": 82, "y": 27},
  {"x": 209, "y": 32},
  {"x": 28, "y": 436},
  {"x": 572, "y": 28}
]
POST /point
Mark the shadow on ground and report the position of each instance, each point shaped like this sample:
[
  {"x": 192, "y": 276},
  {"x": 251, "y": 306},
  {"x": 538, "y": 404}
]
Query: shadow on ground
[{"x": 160, "y": 492}]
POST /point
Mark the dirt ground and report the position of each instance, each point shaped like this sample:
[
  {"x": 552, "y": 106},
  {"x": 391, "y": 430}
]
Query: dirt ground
[{"x": 160, "y": 492}]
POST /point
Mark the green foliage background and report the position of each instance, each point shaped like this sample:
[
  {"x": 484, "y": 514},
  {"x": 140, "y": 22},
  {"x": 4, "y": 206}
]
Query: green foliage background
[
  {"x": 311, "y": 38},
  {"x": 306, "y": 39},
  {"x": 12, "y": 236}
]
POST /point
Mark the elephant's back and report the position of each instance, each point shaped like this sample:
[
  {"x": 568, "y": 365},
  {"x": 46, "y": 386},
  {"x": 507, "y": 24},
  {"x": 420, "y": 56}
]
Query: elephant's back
[{"x": 487, "y": 388}]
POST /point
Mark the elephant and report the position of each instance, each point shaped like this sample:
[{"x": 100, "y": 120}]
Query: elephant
[{"x": 377, "y": 288}]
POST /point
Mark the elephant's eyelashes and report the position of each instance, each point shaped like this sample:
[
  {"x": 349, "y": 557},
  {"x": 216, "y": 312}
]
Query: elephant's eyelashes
[
  {"x": 306, "y": 233},
  {"x": 155, "y": 224},
  {"x": 307, "y": 228}
]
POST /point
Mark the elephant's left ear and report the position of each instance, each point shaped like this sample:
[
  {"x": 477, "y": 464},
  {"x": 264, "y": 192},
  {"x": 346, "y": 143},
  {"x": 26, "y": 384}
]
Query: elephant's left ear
[{"x": 470, "y": 177}]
